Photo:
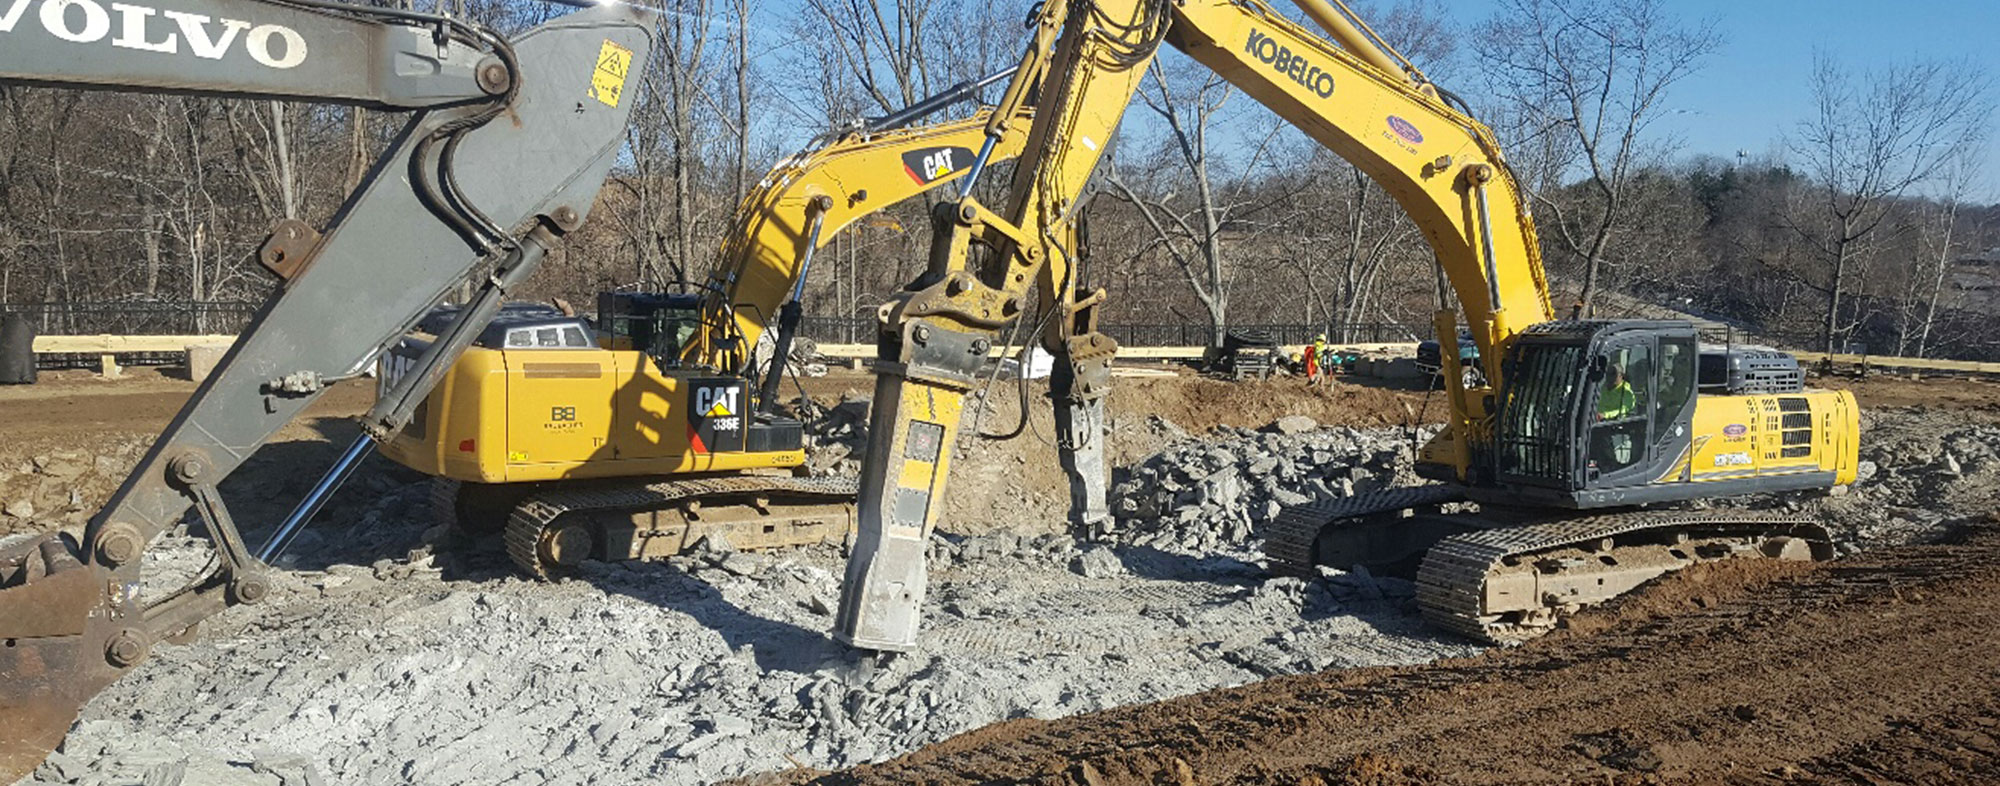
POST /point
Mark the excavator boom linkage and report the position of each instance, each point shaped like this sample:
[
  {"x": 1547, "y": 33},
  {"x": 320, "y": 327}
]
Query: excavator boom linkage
[{"x": 505, "y": 161}]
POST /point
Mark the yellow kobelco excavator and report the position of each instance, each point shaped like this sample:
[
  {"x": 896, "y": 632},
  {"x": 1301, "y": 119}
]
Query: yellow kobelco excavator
[
  {"x": 1584, "y": 428},
  {"x": 642, "y": 439}
]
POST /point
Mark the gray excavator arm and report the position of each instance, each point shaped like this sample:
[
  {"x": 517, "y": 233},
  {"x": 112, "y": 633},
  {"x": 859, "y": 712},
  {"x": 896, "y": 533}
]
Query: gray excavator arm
[{"x": 511, "y": 144}]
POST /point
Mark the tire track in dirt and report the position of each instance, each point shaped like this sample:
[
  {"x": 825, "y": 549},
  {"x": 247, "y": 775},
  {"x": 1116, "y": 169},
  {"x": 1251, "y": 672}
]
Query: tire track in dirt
[{"x": 1879, "y": 668}]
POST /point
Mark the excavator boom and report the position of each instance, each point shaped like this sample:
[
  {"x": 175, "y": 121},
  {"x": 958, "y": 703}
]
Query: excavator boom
[
  {"x": 454, "y": 194},
  {"x": 805, "y": 201},
  {"x": 1440, "y": 165}
]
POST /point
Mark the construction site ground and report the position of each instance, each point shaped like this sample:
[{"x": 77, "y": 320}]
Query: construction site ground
[{"x": 393, "y": 652}]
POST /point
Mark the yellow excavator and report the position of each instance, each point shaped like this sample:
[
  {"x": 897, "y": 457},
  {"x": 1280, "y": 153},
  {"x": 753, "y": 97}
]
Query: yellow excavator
[
  {"x": 1581, "y": 427},
  {"x": 1551, "y": 480},
  {"x": 640, "y": 436}
]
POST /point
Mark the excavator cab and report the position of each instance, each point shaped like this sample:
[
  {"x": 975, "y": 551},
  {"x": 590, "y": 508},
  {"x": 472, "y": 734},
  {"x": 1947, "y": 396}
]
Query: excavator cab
[
  {"x": 1594, "y": 405},
  {"x": 1598, "y": 414}
]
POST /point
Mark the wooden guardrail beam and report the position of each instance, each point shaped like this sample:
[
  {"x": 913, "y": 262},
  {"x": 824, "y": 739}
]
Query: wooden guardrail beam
[
  {"x": 108, "y": 347},
  {"x": 1891, "y": 361},
  {"x": 98, "y": 345}
]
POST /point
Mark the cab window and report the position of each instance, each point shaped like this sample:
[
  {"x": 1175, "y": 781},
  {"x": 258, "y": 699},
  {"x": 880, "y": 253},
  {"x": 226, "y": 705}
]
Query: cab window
[
  {"x": 1677, "y": 380},
  {"x": 1622, "y": 409}
]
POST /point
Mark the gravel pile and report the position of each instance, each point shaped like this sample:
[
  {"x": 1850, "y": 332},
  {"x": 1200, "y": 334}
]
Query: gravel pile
[
  {"x": 392, "y": 654},
  {"x": 1214, "y": 494},
  {"x": 1920, "y": 475}
]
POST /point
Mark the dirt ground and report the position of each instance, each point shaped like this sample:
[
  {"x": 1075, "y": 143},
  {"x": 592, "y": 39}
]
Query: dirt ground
[
  {"x": 1877, "y": 669},
  {"x": 390, "y": 653}
]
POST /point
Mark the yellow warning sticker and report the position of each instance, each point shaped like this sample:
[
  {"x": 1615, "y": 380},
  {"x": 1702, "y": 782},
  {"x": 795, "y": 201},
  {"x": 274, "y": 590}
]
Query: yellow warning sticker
[{"x": 607, "y": 83}]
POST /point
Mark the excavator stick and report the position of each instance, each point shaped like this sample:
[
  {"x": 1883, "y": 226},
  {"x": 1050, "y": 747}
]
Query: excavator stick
[
  {"x": 934, "y": 336},
  {"x": 517, "y": 138}
]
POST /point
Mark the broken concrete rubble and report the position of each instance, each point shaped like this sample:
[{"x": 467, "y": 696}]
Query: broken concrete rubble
[
  {"x": 1216, "y": 493},
  {"x": 371, "y": 664}
]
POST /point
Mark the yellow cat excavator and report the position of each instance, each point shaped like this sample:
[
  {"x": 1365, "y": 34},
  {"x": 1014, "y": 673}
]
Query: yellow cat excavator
[
  {"x": 654, "y": 433},
  {"x": 1554, "y": 472}
]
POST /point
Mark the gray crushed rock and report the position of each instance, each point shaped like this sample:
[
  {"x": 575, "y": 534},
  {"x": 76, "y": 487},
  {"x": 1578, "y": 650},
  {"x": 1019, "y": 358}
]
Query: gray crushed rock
[
  {"x": 381, "y": 660},
  {"x": 1214, "y": 493}
]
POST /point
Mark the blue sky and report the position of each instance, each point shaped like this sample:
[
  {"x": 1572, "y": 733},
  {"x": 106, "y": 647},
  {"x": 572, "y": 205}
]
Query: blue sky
[{"x": 1755, "y": 89}]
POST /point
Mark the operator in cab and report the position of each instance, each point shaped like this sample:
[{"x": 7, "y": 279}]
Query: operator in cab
[{"x": 1618, "y": 400}]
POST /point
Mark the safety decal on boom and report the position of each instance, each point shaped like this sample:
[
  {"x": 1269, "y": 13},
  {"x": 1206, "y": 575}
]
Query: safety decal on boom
[
  {"x": 607, "y": 83},
  {"x": 931, "y": 164},
  {"x": 715, "y": 417}
]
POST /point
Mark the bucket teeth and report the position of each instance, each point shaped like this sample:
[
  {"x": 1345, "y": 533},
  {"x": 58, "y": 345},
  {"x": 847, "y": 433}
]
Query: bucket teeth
[{"x": 52, "y": 656}]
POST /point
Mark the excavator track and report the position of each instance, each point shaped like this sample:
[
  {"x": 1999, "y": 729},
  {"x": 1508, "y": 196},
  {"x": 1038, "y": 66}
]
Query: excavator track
[
  {"x": 1291, "y": 540},
  {"x": 1500, "y": 577},
  {"x": 1455, "y": 583},
  {"x": 535, "y": 524}
]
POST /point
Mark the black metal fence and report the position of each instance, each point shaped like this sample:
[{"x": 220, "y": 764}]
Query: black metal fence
[{"x": 197, "y": 318}]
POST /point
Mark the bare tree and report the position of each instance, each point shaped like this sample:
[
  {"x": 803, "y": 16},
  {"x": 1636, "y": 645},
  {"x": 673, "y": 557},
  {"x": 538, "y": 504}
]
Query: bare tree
[
  {"x": 1943, "y": 243},
  {"x": 741, "y": 71},
  {"x": 881, "y": 44},
  {"x": 890, "y": 53},
  {"x": 1368, "y": 230},
  {"x": 1593, "y": 74},
  {"x": 1868, "y": 144},
  {"x": 1191, "y": 236}
]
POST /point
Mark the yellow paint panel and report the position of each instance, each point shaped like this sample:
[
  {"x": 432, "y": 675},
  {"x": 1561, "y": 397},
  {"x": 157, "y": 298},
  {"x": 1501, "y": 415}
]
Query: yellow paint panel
[
  {"x": 916, "y": 475},
  {"x": 1744, "y": 436}
]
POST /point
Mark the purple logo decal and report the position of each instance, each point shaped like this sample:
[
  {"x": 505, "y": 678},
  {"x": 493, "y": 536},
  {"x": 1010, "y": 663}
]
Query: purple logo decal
[
  {"x": 1405, "y": 130},
  {"x": 1734, "y": 430}
]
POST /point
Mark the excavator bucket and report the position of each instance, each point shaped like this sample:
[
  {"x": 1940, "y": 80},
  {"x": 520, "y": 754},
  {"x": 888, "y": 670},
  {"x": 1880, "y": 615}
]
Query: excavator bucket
[{"x": 52, "y": 610}]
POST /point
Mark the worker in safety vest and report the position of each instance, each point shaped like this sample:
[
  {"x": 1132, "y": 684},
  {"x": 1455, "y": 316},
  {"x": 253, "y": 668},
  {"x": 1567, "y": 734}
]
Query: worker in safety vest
[
  {"x": 1316, "y": 360},
  {"x": 1617, "y": 401}
]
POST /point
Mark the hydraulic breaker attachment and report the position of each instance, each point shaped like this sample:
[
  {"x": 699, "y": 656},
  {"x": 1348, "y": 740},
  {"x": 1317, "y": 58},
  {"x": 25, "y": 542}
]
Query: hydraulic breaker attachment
[
  {"x": 918, "y": 397},
  {"x": 935, "y": 334},
  {"x": 1077, "y": 386},
  {"x": 482, "y": 185}
]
